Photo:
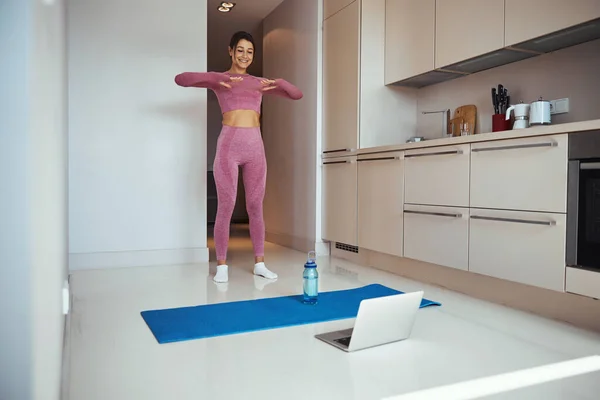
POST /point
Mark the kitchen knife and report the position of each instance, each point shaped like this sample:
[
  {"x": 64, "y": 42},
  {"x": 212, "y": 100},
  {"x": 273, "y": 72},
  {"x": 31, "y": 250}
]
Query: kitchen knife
[
  {"x": 500, "y": 97},
  {"x": 495, "y": 100}
]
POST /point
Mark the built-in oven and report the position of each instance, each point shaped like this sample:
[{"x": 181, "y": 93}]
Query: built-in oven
[{"x": 583, "y": 201}]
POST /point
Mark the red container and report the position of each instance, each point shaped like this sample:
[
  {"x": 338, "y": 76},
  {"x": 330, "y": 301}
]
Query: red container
[{"x": 500, "y": 123}]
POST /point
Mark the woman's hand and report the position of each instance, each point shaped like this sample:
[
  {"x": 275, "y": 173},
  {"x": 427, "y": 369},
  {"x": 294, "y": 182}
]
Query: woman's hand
[
  {"x": 268, "y": 84},
  {"x": 231, "y": 79}
]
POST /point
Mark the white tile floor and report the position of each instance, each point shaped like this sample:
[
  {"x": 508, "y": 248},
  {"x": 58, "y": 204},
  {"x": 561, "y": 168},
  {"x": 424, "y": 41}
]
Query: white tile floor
[{"x": 114, "y": 355}]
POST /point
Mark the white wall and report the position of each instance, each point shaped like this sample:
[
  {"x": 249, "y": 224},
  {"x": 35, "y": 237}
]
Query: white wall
[
  {"x": 291, "y": 129},
  {"x": 137, "y": 141},
  {"x": 15, "y": 259},
  {"x": 571, "y": 72},
  {"x": 33, "y": 210}
]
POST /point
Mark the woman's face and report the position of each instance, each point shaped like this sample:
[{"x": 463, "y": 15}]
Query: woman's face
[{"x": 243, "y": 54}]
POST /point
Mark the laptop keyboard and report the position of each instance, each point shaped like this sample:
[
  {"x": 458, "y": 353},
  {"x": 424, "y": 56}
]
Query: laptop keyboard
[{"x": 344, "y": 341}]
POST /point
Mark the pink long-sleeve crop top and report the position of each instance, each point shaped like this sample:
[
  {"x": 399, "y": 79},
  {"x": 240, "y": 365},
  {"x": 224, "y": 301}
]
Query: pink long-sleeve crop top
[{"x": 243, "y": 95}]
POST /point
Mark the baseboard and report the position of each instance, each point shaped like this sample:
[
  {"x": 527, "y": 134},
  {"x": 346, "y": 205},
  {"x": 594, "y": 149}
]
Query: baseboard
[
  {"x": 297, "y": 243},
  {"x": 580, "y": 311},
  {"x": 323, "y": 248},
  {"x": 142, "y": 258},
  {"x": 65, "y": 383}
]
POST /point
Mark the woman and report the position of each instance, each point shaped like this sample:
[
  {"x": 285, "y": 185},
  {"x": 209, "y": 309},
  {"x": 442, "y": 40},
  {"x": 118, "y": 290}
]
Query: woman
[{"x": 240, "y": 145}]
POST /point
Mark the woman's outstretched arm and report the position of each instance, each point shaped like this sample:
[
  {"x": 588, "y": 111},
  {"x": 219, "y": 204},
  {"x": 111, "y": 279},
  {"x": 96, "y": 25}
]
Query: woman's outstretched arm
[
  {"x": 208, "y": 80},
  {"x": 281, "y": 87}
]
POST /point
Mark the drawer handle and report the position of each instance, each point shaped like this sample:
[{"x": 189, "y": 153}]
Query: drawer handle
[
  {"x": 337, "y": 162},
  {"x": 436, "y": 214},
  {"x": 516, "y": 146},
  {"x": 378, "y": 159},
  {"x": 515, "y": 220},
  {"x": 336, "y": 151},
  {"x": 438, "y": 153},
  {"x": 589, "y": 166}
]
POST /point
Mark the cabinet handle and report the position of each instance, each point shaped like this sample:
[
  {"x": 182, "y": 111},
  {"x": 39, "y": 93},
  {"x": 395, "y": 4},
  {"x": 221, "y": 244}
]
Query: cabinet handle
[
  {"x": 516, "y": 146},
  {"x": 378, "y": 158},
  {"x": 337, "y": 162},
  {"x": 515, "y": 220},
  {"x": 436, "y": 214},
  {"x": 438, "y": 153},
  {"x": 336, "y": 151},
  {"x": 589, "y": 166}
]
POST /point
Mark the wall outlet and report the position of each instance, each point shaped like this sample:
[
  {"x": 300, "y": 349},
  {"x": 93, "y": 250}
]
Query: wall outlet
[{"x": 559, "y": 106}]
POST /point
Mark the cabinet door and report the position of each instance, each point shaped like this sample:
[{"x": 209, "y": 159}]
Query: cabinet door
[
  {"x": 330, "y": 7},
  {"x": 438, "y": 235},
  {"x": 529, "y": 19},
  {"x": 528, "y": 174},
  {"x": 517, "y": 246},
  {"x": 380, "y": 195},
  {"x": 437, "y": 176},
  {"x": 341, "y": 79},
  {"x": 409, "y": 38},
  {"x": 467, "y": 28},
  {"x": 340, "y": 200}
]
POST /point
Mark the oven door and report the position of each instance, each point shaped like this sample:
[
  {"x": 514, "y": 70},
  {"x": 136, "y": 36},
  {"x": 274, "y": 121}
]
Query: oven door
[{"x": 583, "y": 214}]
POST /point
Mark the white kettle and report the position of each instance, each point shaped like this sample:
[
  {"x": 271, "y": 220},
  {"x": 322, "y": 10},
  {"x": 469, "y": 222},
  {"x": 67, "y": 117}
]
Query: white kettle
[
  {"x": 539, "y": 113},
  {"x": 521, "y": 112}
]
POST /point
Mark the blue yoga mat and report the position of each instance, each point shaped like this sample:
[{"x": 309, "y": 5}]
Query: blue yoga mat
[{"x": 197, "y": 322}]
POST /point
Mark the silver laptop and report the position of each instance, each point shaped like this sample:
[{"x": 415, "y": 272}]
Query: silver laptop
[{"x": 379, "y": 321}]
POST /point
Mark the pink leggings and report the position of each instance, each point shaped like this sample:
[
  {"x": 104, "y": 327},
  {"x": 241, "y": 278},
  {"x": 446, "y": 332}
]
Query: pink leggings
[{"x": 240, "y": 147}]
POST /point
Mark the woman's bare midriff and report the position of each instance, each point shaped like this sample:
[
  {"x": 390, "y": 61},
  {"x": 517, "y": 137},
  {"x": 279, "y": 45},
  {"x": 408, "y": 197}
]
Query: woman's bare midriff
[{"x": 241, "y": 118}]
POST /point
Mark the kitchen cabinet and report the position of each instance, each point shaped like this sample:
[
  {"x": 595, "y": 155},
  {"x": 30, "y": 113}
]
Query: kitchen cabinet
[
  {"x": 380, "y": 195},
  {"x": 437, "y": 176},
  {"x": 339, "y": 202},
  {"x": 409, "y": 38},
  {"x": 468, "y": 28},
  {"x": 523, "y": 247},
  {"x": 330, "y": 7},
  {"x": 528, "y": 174},
  {"x": 438, "y": 235},
  {"x": 526, "y": 20},
  {"x": 341, "y": 60}
]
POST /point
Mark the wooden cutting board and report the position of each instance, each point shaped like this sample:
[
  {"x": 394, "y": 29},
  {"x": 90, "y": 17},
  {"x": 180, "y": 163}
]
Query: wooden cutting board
[
  {"x": 468, "y": 114},
  {"x": 455, "y": 124}
]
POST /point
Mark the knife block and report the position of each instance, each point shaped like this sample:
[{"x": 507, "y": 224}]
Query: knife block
[{"x": 500, "y": 123}]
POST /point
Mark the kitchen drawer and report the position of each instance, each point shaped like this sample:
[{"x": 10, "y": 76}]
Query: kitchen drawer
[
  {"x": 380, "y": 194},
  {"x": 583, "y": 282},
  {"x": 518, "y": 246},
  {"x": 438, "y": 235},
  {"x": 437, "y": 176},
  {"x": 339, "y": 198},
  {"x": 528, "y": 174}
]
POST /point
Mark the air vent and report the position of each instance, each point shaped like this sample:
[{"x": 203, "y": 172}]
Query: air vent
[{"x": 346, "y": 247}]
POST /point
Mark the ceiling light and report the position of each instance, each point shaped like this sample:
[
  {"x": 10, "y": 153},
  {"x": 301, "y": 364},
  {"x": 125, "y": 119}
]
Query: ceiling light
[{"x": 226, "y": 6}]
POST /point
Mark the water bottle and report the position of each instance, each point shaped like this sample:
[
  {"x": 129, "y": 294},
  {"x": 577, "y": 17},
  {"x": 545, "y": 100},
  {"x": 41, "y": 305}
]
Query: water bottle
[{"x": 311, "y": 280}]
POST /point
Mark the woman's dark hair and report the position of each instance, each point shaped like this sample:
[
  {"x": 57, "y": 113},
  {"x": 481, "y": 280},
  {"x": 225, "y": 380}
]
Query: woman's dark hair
[{"x": 235, "y": 39}]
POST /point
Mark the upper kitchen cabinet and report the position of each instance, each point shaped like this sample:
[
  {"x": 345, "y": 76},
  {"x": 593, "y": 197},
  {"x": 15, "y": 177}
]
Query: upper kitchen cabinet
[
  {"x": 526, "y": 20},
  {"x": 468, "y": 28},
  {"x": 331, "y": 7},
  {"x": 409, "y": 38},
  {"x": 341, "y": 60}
]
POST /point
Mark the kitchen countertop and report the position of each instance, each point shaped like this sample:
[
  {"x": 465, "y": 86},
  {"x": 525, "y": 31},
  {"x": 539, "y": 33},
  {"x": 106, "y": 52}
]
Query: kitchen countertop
[{"x": 484, "y": 137}]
